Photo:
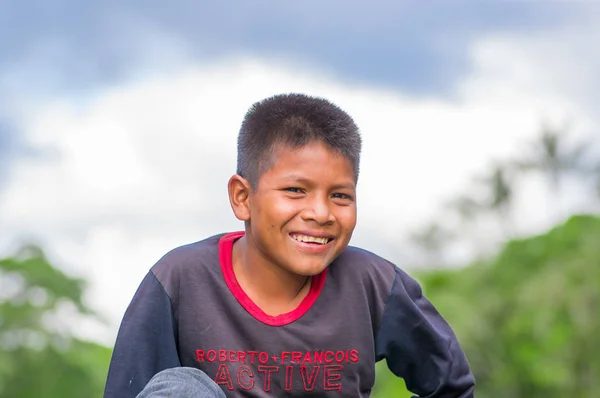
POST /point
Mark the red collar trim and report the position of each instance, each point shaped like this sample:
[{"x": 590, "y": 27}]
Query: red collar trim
[{"x": 225, "y": 257}]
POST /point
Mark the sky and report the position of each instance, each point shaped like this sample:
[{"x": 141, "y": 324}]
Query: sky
[{"x": 118, "y": 121}]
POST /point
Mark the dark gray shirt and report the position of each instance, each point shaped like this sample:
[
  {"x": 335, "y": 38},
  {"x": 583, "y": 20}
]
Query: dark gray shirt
[{"x": 190, "y": 311}]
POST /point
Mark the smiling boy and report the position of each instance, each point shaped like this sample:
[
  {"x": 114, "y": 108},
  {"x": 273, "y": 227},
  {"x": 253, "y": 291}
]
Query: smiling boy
[{"x": 286, "y": 307}]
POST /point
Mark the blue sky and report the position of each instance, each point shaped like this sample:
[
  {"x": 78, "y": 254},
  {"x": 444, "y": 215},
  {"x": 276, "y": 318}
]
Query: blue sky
[
  {"x": 118, "y": 121},
  {"x": 399, "y": 43},
  {"x": 54, "y": 47}
]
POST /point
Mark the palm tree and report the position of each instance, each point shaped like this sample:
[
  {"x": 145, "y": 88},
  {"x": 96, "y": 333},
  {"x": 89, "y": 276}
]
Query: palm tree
[
  {"x": 553, "y": 157},
  {"x": 467, "y": 207},
  {"x": 498, "y": 184}
]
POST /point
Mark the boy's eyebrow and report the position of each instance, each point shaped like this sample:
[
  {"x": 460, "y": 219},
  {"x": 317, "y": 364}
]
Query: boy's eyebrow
[
  {"x": 302, "y": 180},
  {"x": 344, "y": 186}
]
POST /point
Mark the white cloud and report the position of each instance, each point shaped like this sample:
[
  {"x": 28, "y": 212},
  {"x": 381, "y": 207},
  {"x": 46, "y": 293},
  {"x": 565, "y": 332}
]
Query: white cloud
[{"x": 142, "y": 168}]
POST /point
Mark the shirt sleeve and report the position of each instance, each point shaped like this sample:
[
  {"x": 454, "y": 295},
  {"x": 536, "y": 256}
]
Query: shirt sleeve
[
  {"x": 146, "y": 342},
  {"x": 419, "y": 345}
]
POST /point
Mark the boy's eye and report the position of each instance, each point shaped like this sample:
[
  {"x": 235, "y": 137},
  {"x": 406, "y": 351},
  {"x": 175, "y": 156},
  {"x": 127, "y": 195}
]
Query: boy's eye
[
  {"x": 341, "y": 196},
  {"x": 293, "y": 189}
]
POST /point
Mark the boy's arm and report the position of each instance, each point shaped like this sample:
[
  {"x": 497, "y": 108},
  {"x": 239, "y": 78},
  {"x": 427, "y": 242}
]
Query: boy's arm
[
  {"x": 146, "y": 342},
  {"x": 419, "y": 345}
]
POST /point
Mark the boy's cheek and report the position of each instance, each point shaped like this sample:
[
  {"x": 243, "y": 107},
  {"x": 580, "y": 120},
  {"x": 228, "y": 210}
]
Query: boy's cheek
[{"x": 348, "y": 219}]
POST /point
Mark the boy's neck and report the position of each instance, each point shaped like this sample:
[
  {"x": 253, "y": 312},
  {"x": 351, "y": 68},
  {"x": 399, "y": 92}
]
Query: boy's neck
[{"x": 273, "y": 289}]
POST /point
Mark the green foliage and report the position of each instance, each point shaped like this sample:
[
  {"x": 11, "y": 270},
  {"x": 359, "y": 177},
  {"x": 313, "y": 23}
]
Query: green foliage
[
  {"x": 75, "y": 371},
  {"x": 528, "y": 319},
  {"x": 388, "y": 385},
  {"x": 38, "y": 357},
  {"x": 31, "y": 264},
  {"x": 546, "y": 293}
]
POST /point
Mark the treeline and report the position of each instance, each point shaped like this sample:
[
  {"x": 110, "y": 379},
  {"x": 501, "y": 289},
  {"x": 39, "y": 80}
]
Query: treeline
[
  {"x": 482, "y": 216},
  {"x": 526, "y": 309},
  {"x": 527, "y": 318},
  {"x": 39, "y": 355}
]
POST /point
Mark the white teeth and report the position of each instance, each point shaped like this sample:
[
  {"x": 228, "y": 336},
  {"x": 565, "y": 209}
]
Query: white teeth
[{"x": 304, "y": 238}]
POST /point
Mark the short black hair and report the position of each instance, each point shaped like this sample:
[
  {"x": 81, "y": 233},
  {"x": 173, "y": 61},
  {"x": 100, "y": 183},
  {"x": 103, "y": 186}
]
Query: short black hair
[{"x": 293, "y": 120}]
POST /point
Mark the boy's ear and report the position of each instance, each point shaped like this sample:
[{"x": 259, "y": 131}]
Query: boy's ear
[{"x": 239, "y": 197}]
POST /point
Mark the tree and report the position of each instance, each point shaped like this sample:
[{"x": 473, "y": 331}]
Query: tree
[
  {"x": 551, "y": 155},
  {"x": 466, "y": 207},
  {"x": 39, "y": 356},
  {"x": 498, "y": 184},
  {"x": 528, "y": 318}
]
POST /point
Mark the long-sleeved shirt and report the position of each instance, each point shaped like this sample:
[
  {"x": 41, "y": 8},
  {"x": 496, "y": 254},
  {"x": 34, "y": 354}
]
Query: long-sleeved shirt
[{"x": 190, "y": 311}]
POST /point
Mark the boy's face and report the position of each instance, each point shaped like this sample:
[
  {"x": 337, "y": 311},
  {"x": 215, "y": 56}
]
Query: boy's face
[{"x": 303, "y": 210}]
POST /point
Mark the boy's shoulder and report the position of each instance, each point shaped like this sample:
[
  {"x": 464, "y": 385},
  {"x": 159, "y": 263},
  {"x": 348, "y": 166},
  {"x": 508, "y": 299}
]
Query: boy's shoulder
[
  {"x": 363, "y": 266},
  {"x": 359, "y": 265},
  {"x": 364, "y": 260},
  {"x": 202, "y": 254}
]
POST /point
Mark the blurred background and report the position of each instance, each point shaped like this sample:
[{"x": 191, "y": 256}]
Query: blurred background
[{"x": 480, "y": 171}]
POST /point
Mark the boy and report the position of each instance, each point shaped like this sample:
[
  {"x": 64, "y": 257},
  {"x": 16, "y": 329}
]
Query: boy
[{"x": 286, "y": 307}]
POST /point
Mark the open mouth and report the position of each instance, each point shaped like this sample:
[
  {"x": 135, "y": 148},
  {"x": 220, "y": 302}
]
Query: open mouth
[{"x": 311, "y": 239}]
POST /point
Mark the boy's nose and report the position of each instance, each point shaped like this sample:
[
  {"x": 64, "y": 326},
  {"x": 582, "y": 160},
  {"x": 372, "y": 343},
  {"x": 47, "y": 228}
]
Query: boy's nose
[{"x": 318, "y": 211}]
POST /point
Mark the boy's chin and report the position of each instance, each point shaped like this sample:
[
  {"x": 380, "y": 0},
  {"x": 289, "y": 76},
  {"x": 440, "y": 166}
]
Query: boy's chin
[{"x": 309, "y": 270}]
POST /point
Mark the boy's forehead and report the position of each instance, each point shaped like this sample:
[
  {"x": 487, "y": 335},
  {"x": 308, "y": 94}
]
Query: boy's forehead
[{"x": 282, "y": 153}]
